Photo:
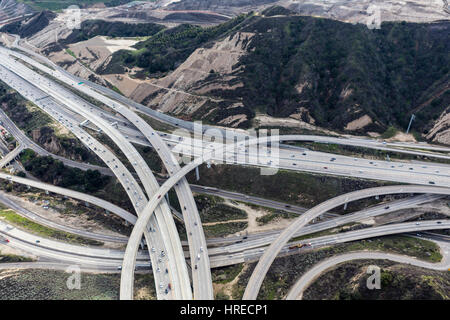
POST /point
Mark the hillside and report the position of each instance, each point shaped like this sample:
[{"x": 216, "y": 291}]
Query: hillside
[
  {"x": 30, "y": 26},
  {"x": 322, "y": 72},
  {"x": 11, "y": 10}
]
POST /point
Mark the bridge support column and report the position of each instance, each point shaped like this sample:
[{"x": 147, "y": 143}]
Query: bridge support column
[
  {"x": 167, "y": 198},
  {"x": 197, "y": 173}
]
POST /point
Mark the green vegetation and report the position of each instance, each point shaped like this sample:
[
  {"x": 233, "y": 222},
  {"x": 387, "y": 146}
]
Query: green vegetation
[
  {"x": 398, "y": 281},
  {"x": 11, "y": 258},
  {"x": 212, "y": 209},
  {"x": 224, "y": 229},
  {"x": 71, "y": 53},
  {"x": 37, "y": 125},
  {"x": 276, "y": 214},
  {"x": 344, "y": 70},
  {"x": 93, "y": 28},
  {"x": 34, "y": 284},
  {"x": 226, "y": 274},
  {"x": 55, "y": 172},
  {"x": 302, "y": 189},
  {"x": 43, "y": 231},
  {"x": 165, "y": 50},
  {"x": 419, "y": 248},
  {"x": 286, "y": 270},
  {"x": 92, "y": 182},
  {"x": 389, "y": 133}
]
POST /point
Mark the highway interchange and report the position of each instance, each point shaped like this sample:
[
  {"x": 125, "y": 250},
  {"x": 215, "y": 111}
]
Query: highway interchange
[{"x": 72, "y": 112}]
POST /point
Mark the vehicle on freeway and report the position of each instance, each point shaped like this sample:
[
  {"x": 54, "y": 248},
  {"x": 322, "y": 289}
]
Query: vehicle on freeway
[
  {"x": 387, "y": 207},
  {"x": 325, "y": 167},
  {"x": 431, "y": 182},
  {"x": 287, "y": 205}
]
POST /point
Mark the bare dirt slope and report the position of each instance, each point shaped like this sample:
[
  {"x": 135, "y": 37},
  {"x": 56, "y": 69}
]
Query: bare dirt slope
[{"x": 188, "y": 87}]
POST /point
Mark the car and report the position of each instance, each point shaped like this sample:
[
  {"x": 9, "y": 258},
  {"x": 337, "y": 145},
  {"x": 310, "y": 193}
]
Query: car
[
  {"x": 417, "y": 223},
  {"x": 287, "y": 205},
  {"x": 195, "y": 223},
  {"x": 387, "y": 207},
  {"x": 439, "y": 222},
  {"x": 294, "y": 163},
  {"x": 167, "y": 291},
  {"x": 198, "y": 256},
  {"x": 196, "y": 267},
  {"x": 38, "y": 241},
  {"x": 325, "y": 167},
  {"x": 159, "y": 197},
  {"x": 153, "y": 249},
  {"x": 332, "y": 159},
  {"x": 119, "y": 267},
  {"x": 431, "y": 182},
  {"x": 201, "y": 249}
]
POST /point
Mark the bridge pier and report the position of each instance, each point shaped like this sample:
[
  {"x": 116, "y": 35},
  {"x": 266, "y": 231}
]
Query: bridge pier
[{"x": 197, "y": 174}]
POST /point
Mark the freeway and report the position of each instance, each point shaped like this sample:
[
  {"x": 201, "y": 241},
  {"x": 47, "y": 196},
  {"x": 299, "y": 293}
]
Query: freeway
[
  {"x": 259, "y": 240},
  {"x": 195, "y": 235},
  {"x": 367, "y": 143},
  {"x": 109, "y": 207},
  {"x": 124, "y": 176},
  {"x": 170, "y": 246},
  {"x": 427, "y": 173},
  {"x": 201, "y": 274},
  {"x": 131, "y": 251},
  {"x": 107, "y": 258},
  {"x": 316, "y": 161},
  {"x": 306, "y": 279},
  {"x": 270, "y": 254},
  {"x": 28, "y": 143},
  {"x": 11, "y": 156},
  {"x": 57, "y": 226},
  {"x": 252, "y": 255}
]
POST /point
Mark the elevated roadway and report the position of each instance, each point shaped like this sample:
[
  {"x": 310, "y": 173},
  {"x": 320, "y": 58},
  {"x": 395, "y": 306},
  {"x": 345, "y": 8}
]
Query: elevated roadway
[{"x": 306, "y": 279}]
